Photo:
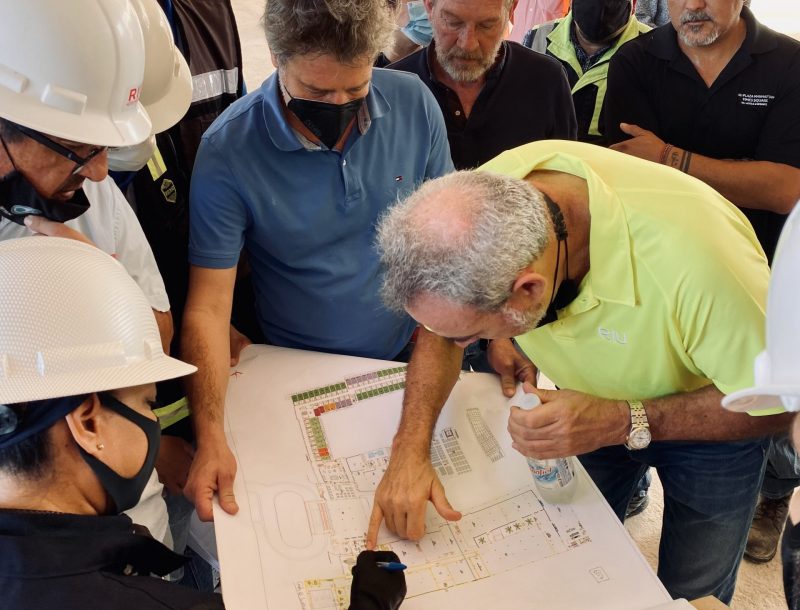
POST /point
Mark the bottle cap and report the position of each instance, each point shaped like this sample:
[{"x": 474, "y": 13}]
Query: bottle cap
[{"x": 523, "y": 399}]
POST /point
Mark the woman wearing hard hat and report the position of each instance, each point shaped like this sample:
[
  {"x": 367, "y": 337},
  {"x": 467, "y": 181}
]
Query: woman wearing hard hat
[
  {"x": 80, "y": 354},
  {"x": 79, "y": 357}
]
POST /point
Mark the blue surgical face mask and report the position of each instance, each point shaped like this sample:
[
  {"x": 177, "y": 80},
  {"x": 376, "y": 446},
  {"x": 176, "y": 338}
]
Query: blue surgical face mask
[{"x": 419, "y": 28}]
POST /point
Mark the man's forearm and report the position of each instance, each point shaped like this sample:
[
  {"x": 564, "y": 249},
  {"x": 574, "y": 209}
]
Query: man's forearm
[
  {"x": 760, "y": 185},
  {"x": 698, "y": 416},
  {"x": 165, "y": 328},
  {"x": 206, "y": 344},
  {"x": 432, "y": 373}
]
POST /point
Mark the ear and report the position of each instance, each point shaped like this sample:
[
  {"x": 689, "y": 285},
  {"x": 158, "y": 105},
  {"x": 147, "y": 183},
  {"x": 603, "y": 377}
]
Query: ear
[
  {"x": 86, "y": 425},
  {"x": 273, "y": 59},
  {"x": 512, "y": 10},
  {"x": 428, "y": 7},
  {"x": 529, "y": 289}
]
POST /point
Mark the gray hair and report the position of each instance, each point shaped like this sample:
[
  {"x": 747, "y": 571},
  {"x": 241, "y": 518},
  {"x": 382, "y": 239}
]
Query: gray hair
[
  {"x": 470, "y": 256},
  {"x": 349, "y": 30}
]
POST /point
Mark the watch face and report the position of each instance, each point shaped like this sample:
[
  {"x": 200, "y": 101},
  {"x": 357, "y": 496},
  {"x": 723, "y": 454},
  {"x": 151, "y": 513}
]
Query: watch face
[{"x": 639, "y": 438}]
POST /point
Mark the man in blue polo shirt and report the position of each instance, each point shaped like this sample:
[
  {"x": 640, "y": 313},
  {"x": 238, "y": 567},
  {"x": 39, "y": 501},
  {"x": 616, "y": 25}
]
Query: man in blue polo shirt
[{"x": 298, "y": 173}]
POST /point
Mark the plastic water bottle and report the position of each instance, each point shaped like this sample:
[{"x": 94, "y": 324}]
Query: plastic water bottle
[{"x": 555, "y": 478}]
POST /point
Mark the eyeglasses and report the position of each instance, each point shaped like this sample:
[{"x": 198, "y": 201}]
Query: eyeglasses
[{"x": 61, "y": 149}]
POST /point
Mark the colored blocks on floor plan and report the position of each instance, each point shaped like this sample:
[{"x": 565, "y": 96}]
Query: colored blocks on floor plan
[{"x": 316, "y": 438}]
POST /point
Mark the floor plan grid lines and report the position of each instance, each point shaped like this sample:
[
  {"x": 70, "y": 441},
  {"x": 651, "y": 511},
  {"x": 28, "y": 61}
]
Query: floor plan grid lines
[{"x": 312, "y": 435}]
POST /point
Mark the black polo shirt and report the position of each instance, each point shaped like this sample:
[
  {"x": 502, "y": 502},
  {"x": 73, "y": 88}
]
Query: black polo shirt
[
  {"x": 751, "y": 112},
  {"x": 526, "y": 98}
]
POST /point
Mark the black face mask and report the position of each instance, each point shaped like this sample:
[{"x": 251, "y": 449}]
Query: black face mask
[
  {"x": 126, "y": 492},
  {"x": 600, "y": 19},
  {"x": 568, "y": 289},
  {"x": 567, "y": 292},
  {"x": 326, "y": 121},
  {"x": 19, "y": 199}
]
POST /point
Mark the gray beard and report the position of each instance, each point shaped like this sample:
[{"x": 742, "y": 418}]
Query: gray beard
[
  {"x": 523, "y": 321},
  {"x": 691, "y": 40},
  {"x": 469, "y": 74}
]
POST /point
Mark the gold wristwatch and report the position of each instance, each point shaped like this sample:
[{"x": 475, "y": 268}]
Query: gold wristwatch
[{"x": 639, "y": 437}]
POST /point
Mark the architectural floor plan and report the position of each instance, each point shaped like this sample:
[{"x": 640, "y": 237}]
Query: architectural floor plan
[{"x": 312, "y": 436}]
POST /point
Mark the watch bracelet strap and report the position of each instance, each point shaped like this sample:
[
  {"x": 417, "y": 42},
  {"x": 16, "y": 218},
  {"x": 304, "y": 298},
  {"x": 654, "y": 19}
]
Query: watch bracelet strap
[{"x": 638, "y": 414}]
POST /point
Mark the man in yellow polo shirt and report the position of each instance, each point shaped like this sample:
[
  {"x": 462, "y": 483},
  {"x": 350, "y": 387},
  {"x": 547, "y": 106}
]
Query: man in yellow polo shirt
[{"x": 638, "y": 290}]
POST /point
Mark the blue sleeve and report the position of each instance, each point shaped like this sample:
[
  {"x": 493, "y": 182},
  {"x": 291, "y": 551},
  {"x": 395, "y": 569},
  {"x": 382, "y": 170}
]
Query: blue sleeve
[
  {"x": 218, "y": 215},
  {"x": 527, "y": 40},
  {"x": 439, "y": 161}
]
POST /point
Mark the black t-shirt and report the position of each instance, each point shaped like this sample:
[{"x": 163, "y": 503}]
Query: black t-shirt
[
  {"x": 526, "y": 98},
  {"x": 751, "y": 112}
]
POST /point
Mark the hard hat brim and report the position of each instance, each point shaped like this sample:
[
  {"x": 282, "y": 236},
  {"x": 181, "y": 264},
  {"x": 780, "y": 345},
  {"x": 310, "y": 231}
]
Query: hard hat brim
[
  {"x": 96, "y": 130},
  {"x": 24, "y": 388},
  {"x": 759, "y": 398},
  {"x": 173, "y": 106}
]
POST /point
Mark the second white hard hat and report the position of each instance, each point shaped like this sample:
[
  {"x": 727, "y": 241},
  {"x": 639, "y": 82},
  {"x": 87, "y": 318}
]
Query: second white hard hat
[
  {"x": 777, "y": 368},
  {"x": 167, "y": 83},
  {"x": 72, "y": 321}
]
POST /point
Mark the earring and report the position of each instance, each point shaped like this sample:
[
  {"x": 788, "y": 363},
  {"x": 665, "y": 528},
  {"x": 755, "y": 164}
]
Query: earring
[{"x": 100, "y": 446}]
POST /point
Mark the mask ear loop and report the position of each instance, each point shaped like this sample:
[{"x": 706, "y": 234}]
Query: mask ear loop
[
  {"x": 555, "y": 274},
  {"x": 284, "y": 91},
  {"x": 560, "y": 229}
]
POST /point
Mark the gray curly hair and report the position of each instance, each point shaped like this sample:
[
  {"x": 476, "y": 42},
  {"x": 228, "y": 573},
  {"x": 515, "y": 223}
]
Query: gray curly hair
[
  {"x": 349, "y": 30},
  {"x": 498, "y": 226}
]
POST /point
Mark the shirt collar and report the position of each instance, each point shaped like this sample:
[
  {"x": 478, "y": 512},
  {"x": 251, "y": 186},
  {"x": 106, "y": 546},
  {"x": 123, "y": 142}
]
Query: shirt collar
[
  {"x": 284, "y": 136},
  {"x": 610, "y": 248}
]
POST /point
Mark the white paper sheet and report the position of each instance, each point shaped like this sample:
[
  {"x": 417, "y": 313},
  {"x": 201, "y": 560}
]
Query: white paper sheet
[{"x": 311, "y": 434}]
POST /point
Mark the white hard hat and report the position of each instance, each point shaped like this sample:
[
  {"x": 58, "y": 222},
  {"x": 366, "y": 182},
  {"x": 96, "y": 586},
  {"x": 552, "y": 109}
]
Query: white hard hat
[
  {"x": 73, "y": 69},
  {"x": 777, "y": 368},
  {"x": 167, "y": 83},
  {"x": 72, "y": 321}
]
